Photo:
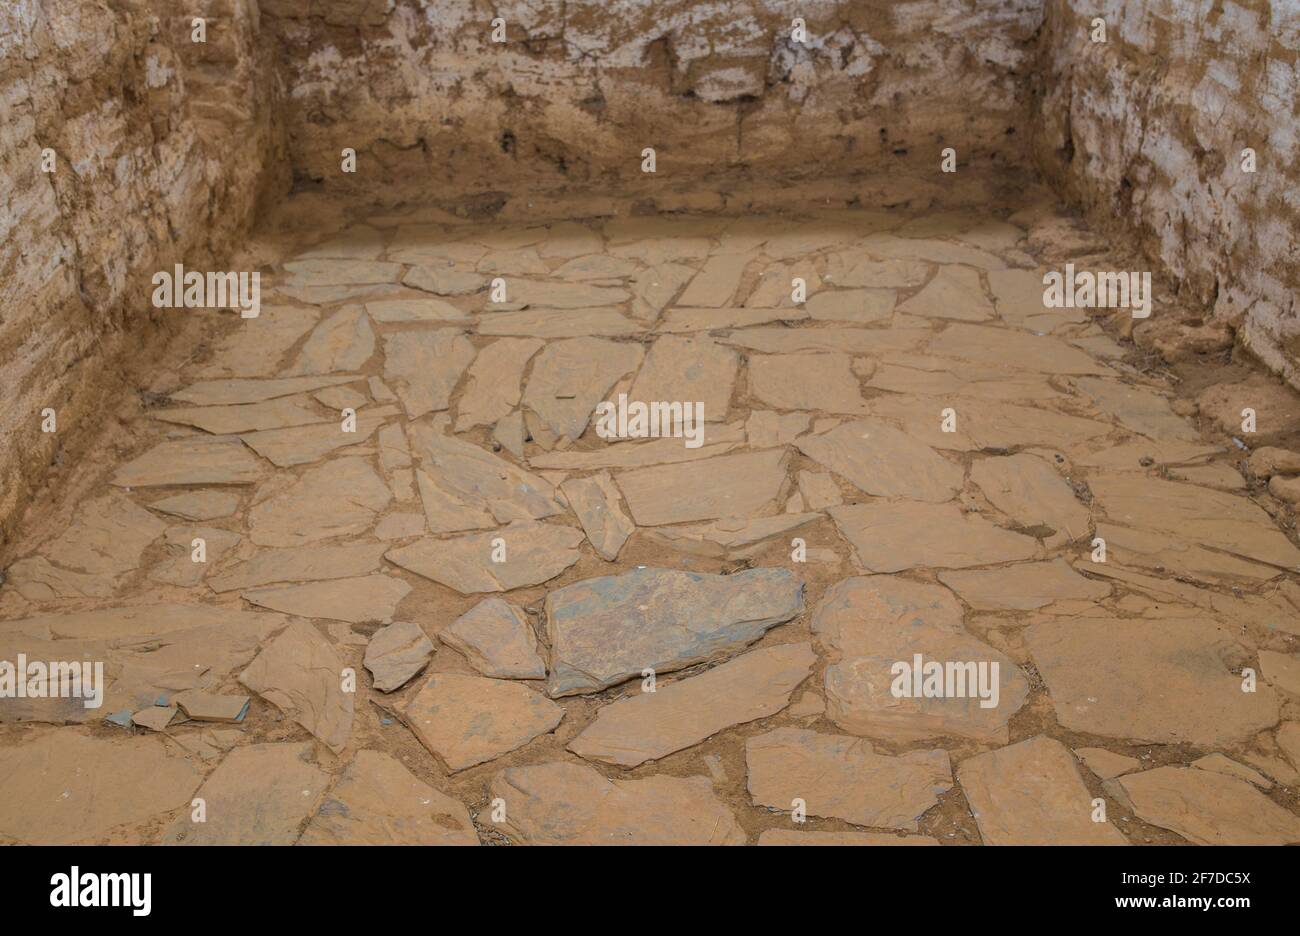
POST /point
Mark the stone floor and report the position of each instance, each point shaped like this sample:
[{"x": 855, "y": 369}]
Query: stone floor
[{"x": 446, "y": 598}]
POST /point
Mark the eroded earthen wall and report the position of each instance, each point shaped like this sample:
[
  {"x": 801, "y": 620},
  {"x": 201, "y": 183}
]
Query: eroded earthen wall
[
  {"x": 159, "y": 145},
  {"x": 430, "y": 102},
  {"x": 1146, "y": 130}
]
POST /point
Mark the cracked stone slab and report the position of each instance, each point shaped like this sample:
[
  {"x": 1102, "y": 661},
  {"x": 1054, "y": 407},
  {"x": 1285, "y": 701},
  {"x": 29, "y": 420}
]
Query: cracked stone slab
[
  {"x": 954, "y": 293},
  {"x": 570, "y": 804},
  {"x": 535, "y": 553},
  {"x": 492, "y": 388},
  {"x": 377, "y": 801},
  {"x": 133, "y": 780},
  {"x": 191, "y": 461},
  {"x": 841, "y": 777},
  {"x": 301, "y": 564},
  {"x": 302, "y": 445},
  {"x": 559, "y": 323},
  {"x": 1031, "y": 794},
  {"x": 1205, "y": 807},
  {"x": 343, "y": 341},
  {"x": 342, "y": 497},
  {"x": 397, "y": 653},
  {"x": 279, "y": 413},
  {"x": 1167, "y": 681},
  {"x": 258, "y": 795},
  {"x": 469, "y": 720},
  {"x": 732, "y": 538},
  {"x": 423, "y": 367},
  {"x": 595, "y": 501},
  {"x": 891, "y": 537},
  {"x": 861, "y": 306},
  {"x": 198, "y": 505},
  {"x": 709, "y": 489},
  {"x": 880, "y": 460},
  {"x": 1014, "y": 350},
  {"x": 606, "y": 630},
  {"x": 1138, "y": 408},
  {"x": 571, "y": 376},
  {"x": 301, "y": 674},
  {"x": 236, "y": 392},
  {"x": 497, "y": 640},
  {"x": 677, "y": 715},
  {"x": 688, "y": 370},
  {"x": 355, "y": 600},
  {"x": 823, "y": 382},
  {"x": 337, "y": 271},
  {"x": 1024, "y": 587},
  {"x": 1033, "y": 494}
]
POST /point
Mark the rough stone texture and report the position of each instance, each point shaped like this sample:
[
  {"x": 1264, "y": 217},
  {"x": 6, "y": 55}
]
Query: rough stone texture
[
  {"x": 143, "y": 123},
  {"x": 1205, "y": 807},
  {"x": 1156, "y": 152},
  {"x": 497, "y": 639}
]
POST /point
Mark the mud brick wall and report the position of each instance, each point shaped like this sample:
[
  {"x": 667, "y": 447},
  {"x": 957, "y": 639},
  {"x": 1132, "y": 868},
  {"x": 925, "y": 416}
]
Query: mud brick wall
[
  {"x": 161, "y": 144},
  {"x": 1147, "y": 129},
  {"x": 580, "y": 87}
]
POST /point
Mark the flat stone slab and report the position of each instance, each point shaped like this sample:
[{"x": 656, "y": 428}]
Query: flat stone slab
[
  {"x": 1168, "y": 681},
  {"x": 954, "y": 293},
  {"x": 339, "y": 498},
  {"x": 1031, "y": 492},
  {"x": 709, "y": 489},
  {"x": 468, "y": 720},
  {"x": 569, "y": 804},
  {"x": 571, "y": 376},
  {"x": 691, "y": 370},
  {"x": 248, "y": 417},
  {"x": 396, "y": 653},
  {"x": 62, "y": 786},
  {"x": 423, "y": 367},
  {"x": 301, "y": 445},
  {"x": 1107, "y": 764},
  {"x": 790, "y": 837},
  {"x": 493, "y": 382},
  {"x": 732, "y": 539},
  {"x": 606, "y": 630},
  {"x": 652, "y": 725},
  {"x": 1031, "y": 794},
  {"x": 1205, "y": 807},
  {"x": 355, "y": 600},
  {"x": 198, "y": 505},
  {"x": 343, "y": 341},
  {"x": 498, "y": 641},
  {"x": 534, "y": 553},
  {"x": 560, "y": 323},
  {"x": 235, "y": 391},
  {"x": 853, "y": 612},
  {"x": 891, "y": 537},
  {"x": 1014, "y": 350},
  {"x": 301, "y": 674},
  {"x": 844, "y": 778},
  {"x": 822, "y": 382},
  {"x": 300, "y": 564},
  {"x": 878, "y": 459},
  {"x": 258, "y": 795},
  {"x": 1023, "y": 587},
  {"x": 595, "y": 501},
  {"x": 191, "y": 461},
  {"x": 377, "y": 801}
]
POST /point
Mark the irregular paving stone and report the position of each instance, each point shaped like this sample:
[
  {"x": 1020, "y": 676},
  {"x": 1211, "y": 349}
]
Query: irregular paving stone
[
  {"x": 1031, "y": 794},
  {"x": 1212, "y": 518},
  {"x": 677, "y": 715},
  {"x": 727, "y": 486},
  {"x": 1281, "y": 669},
  {"x": 493, "y": 386},
  {"x": 838, "y": 340},
  {"x": 377, "y": 801},
  {"x": 342, "y": 342},
  {"x": 789, "y": 837},
  {"x": 954, "y": 293},
  {"x": 571, "y": 376},
  {"x": 302, "y": 445},
  {"x": 878, "y": 459},
  {"x": 687, "y": 370},
  {"x": 259, "y": 795},
  {"x": 936, "y": 251},
  {"x": 640, "y": 454},
  {"x": 396, "y": 653},
  {"x": 699, "y": 320},
  {"x": 570, "y": 804},
  {"x": 998, "y": 347},
  {"x": 1170, "y": 552},
  {"x": 559, "y": 323},
  {"x": 191, "y": 461},
  {"x": 389, "y": 311},
  {"x": 256, "y": 347},
  {"x": 806, "y": 382},
  {"x": 424, "y": 367},
  {"x": 1030, "y": 491},
  {"x": 544, "y": 294},
  {"x": 535, "y": 553},
  {"x": 843, "y": 778},
  {"x": 1107, "y": 764},
  {"x": 497, "y": 639},
  {"x": 468, "y": 720},
  {"x": 339, "y": 498},
  {"x": 300, "y": 673},
  {"x": 891, "y": 537},
  {"x": 1269, "y": 460},
  {"x": 595, "y": 500},
  {"x": 62, "y": 786},
  {"x": 198, "y": 505},
  {"x": 654, "y": 288},
  {"x": 1225, "y": 765},
  {"x": 851, "y": 305},
  {"x": 766, "y": 429},
  {"x": 355, "y": 600},
  {"x": 606, "y": 630},
  {"x": 1138, "y": 408},
  {"x": 1023, "y": 587},
  {"x": 819, "y": 490},
  {"x": 733, "y": 538},
  {"x": 443, "y": 281},
  {"x": 236, "y": 392},
  {"x": 853, "y": 611},
  {"x": 179, "y": 566},
  {"x": 1167, "y": 681},
  {"x": 341, "y": 272},
  {"x": 341, "y": 398},
  {"x": 207, "y": 706},
  {"x": 248, "y": 417},
  {"x": 1205, "y": 807},
  {"x": 716, "y": 284},
  {"x": 303, "y": 564}
]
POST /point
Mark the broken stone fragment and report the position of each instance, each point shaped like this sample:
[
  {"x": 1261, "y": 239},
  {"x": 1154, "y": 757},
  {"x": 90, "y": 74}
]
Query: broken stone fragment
[
  {"x": 498, "y": 641},
  {"x": 606, "y": 630},
  {"x": 595, "y": 500},
  {"x": 208, "y": 706},
  {"x": 468, "y": 720},
  {"x": 1031, "y": 794},
  {"x": 355, "y": 600},
  {"x": 843, "y": 778},
  {"x": 652, "y": 725},
  {"x": 570, "y": 804},
  {"x": 198, "y": 505},
  {"x": 396, "y": 653},
  {"x": 1107, "y": 764},
  {"x": 300, "y": 673},
  {"x": 377, "y": 801}
]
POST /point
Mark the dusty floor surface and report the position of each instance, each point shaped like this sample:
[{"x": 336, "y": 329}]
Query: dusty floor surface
[{"x": 918, "y": 459}]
